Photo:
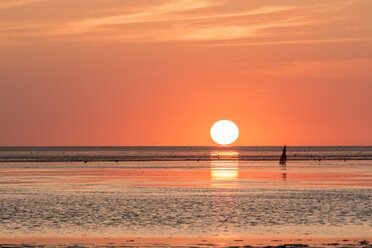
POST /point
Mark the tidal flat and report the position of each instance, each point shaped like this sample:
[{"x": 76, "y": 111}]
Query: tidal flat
[{"x": 186, "y": 204}]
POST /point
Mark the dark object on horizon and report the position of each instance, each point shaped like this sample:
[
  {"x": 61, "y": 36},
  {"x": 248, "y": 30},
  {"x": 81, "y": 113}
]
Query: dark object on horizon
[{"x": 283, "y": 158}]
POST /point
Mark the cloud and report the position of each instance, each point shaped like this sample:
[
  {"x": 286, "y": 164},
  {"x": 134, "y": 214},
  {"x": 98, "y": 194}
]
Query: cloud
[
  {"x": 150, "y": 14},
  {"x": 17, "y": 3},
  {"x": 227, "y": 32},
  {"x": 232, "y": 23},
  {"x": 180, "y": 26},
  {"x": 163, "y": 14},
  {"x": 190, "y": 32},
  {"x": 288, "y": 42}
]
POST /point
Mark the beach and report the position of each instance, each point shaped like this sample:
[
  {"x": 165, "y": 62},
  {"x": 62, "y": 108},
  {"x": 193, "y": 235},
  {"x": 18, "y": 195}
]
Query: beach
[
  {"x": 215, "y": 203},
  {"x": 185, "y": 123}
]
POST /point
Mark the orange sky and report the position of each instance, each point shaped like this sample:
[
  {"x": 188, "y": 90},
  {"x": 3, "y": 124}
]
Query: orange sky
[{"x": 145, "y": 72}]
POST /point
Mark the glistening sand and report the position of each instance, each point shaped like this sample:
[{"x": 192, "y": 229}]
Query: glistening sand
[{"x": 178, "y": 203}]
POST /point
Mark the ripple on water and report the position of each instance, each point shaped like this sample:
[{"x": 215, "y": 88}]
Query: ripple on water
[{"x": 154, "y": 211}]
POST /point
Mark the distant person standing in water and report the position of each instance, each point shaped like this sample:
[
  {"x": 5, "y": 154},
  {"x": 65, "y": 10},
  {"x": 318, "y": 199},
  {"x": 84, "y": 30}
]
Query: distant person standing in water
[{"x": 283, "y": 158}]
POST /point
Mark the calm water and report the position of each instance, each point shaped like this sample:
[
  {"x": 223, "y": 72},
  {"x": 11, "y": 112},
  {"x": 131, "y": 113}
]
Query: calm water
[
  {"x": 182, "y": 153},
  {"x": 220, "y": 197}
]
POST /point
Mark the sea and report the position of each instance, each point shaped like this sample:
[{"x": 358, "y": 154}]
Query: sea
[
  {"x": 182, "y": 153},
  {"x": 172, "y": 192}
]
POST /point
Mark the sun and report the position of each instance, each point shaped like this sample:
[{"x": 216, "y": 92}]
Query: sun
[{"x": 224, "y": 132}]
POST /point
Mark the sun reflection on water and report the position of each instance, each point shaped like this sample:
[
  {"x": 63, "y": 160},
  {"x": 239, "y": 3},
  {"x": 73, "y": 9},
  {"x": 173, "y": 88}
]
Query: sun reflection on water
[
  {"x": 225, "y": 155},
  {"x": 224, "y": 168}
]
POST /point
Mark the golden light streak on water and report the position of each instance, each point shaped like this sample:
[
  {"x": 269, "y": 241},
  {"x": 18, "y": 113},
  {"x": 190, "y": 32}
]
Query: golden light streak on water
[
  {"x": 224, "y": 168},
  {"x": 224, "y": 171}
]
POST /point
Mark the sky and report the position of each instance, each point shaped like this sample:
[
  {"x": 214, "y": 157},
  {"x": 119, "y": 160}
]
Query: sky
[{"x": 161, "y": 72}]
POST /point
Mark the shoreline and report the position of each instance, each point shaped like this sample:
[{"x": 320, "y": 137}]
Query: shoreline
[{"x": 178, "y": 159}]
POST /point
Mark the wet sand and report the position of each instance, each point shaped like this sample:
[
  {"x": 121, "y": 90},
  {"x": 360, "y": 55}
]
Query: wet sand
[{"x": 178, "y": 204}]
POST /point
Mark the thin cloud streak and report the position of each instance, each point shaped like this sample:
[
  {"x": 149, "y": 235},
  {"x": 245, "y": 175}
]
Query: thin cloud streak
[
  {"x": 231, "y": 32},
  {"x": 153, "y": 16},
  {"x": 186, "y": 20},
  {"x": 207, "y": 26},
  {"x": 288, "y": 42},
  {"x": 193, "y": 34},
  {"x": 15, "y": 3},
  {"x": 168, "y": 13},
  {"x": 178, "y": 32}
]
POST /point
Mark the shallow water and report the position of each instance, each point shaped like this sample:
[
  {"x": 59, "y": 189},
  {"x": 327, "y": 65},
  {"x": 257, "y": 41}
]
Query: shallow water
[
  {"x": 182, "y": 153},
  {"x": 186, "y": 199}
]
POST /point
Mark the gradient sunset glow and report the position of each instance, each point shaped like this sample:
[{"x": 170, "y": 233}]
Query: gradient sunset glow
[{"x": 162, "y": 72}]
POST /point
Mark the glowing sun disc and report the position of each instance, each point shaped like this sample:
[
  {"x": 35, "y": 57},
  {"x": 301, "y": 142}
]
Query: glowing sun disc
[{"x": 224, "y": 132}]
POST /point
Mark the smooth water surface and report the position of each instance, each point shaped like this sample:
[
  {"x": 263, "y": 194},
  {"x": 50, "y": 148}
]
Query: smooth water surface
[
  {"x": 182, "y": 153},
  {"x": 170, "y": 199}
]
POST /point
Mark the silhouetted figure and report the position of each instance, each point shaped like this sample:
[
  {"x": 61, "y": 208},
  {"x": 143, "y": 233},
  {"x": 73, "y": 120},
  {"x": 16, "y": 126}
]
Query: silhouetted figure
[{"x": 283, "y": 158}]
